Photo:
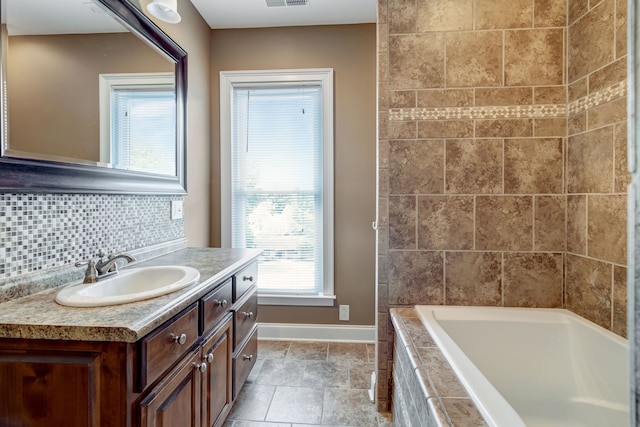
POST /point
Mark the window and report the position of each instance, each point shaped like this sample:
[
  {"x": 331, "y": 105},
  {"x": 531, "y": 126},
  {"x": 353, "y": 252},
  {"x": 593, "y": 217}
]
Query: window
[
  {"x": 138, "y": 118},
  {"x": 277, "y": 179}
]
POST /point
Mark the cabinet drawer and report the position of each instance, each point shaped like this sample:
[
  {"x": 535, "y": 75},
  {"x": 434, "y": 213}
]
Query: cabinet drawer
[
  {"x": 163, "y": 347},
  {"x": 244, "y": 280},
  {"x": 243, "y": 361},
  {"x": 244, "y": 318},
  {"x": 214, "y": 305}
]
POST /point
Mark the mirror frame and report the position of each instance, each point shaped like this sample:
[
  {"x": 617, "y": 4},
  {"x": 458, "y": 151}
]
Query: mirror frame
[{"x": 19, "y": 175}]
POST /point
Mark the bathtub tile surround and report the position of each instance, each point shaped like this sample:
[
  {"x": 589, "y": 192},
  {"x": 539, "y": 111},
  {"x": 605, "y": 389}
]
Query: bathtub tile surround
[
  {"x": 42, "y": 235},
  {"x": 596, "y": 171},
  {"x": 426, "y": 390},
  {"x": 518, "y": 373},
  {"x": 502, "y": 158}
]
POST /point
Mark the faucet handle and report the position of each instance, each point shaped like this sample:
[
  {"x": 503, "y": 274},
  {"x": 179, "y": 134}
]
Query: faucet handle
[{"x": 91, "y": 274}]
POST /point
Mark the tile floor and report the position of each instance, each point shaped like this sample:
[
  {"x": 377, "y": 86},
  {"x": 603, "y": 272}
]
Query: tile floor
[{"x": 298, "y": 384}]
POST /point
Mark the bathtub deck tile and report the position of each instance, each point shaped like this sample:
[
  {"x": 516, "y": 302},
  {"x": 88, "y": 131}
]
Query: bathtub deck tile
[
  {"x": 406, "y": 312},
  {"x": 438, "y": 417},
  {"x": 463, "y": 413},
  {"x": 420, "y": 401},
  {"x": 419, "y": 336},
  {"x": 409, "y": 355},
  {"x": 423, "y": 381},
  {"x": 400, "y": 329},
  {"x": 431, "y": 390},
  {"x": 443, "y": 378}
]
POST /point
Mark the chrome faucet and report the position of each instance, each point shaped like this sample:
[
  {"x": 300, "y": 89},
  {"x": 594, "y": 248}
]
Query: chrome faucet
[
  {"x": 109, "y": 266},
  {"x": 102, "y": 268}
]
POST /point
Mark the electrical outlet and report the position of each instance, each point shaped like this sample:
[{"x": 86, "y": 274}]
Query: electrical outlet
[
  {"x": 176, "y": 209},
  {"x": 344, "y": 313}
]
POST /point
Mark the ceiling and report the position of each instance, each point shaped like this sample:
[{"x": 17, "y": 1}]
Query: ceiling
[
  {"x": 84, "y": 16},
  {"x": 221, "y": 14},
  {"x": 57, "y": 17}
]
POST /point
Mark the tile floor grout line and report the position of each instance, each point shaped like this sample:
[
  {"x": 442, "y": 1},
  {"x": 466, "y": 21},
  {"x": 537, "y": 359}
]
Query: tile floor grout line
[{"x": 345, "y": 362}]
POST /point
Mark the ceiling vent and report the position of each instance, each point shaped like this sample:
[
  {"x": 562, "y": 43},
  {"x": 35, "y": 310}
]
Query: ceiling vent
[{"x": 282, "y": 3}]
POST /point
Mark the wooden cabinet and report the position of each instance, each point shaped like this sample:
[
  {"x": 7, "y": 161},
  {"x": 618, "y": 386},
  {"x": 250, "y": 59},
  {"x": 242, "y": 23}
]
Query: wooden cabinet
[
  {"x": 197, "y": 392},
  {"x": 245, "y": 326},
  {"x": 245, "y": 280},
  {"x": 215, "y": 305},
  {"x": 51, "y": 383},
  {"x": 184, "y": 373},
  {"x": 244, "y": 359},
  {"x": 164, "y": 347},
  {"x": 217, "y": 386},
  {"x": 245, "y": 316},
  {"x": 49, "y": 389},
  {"x": 176, "y": 400}
]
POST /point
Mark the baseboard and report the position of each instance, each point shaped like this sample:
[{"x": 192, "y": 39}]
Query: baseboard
[{"x": 299, "y": 332}]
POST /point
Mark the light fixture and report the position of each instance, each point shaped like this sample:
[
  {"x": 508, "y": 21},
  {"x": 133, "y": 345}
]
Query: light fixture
[{"x": 165, "y": 10}]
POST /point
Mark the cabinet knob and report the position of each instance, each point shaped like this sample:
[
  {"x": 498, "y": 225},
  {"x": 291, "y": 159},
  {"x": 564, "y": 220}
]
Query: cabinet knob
[
  {"x": 247, "y": 278},
  {"x": 202, "y": 367},
  {"x": 249, "y": 315},
  {"x": 208, "y": 358},
  {"x": 222, "y": 303},
  {"x": 179, "y": 339},
  {"x": 247, "y": 357}
]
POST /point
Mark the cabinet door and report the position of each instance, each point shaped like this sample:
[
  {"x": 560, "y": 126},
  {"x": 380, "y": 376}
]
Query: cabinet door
[
  {"x": 217, "y": 383},
  {"x": 43, "y": 389},
  {"x": 176, "y": 400}
]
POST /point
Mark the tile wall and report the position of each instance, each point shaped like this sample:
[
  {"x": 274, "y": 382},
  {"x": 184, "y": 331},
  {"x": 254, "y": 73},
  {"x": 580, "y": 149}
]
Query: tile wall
[
  {"x": 597, "y": 174},
  {"x": 502, "y": 170},
  {"x": 40, "y": 232}
]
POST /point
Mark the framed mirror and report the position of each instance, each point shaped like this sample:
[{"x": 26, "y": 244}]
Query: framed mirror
[{"x": 93, "y": 101}]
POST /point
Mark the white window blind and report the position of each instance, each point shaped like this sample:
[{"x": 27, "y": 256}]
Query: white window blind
[
  {"x": 277, "y": 184},
  {"x": 143, "y": 130}
]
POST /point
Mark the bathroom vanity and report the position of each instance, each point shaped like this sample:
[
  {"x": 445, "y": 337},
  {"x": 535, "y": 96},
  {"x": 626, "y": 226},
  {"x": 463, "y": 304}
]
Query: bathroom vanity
[{"x": 175, "y": 360}]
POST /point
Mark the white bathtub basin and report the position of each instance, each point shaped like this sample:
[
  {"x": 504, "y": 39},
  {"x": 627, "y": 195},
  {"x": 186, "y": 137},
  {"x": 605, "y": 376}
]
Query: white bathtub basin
[
  {"x": 130, "y": 285},
  {"x": 534, "y": 367}
]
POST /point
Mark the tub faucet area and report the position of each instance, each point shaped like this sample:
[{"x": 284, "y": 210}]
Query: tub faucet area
[{"x": 102, "y": 268}]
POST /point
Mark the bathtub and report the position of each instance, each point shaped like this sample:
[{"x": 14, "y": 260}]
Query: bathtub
[{"x": 534, "y": 367}]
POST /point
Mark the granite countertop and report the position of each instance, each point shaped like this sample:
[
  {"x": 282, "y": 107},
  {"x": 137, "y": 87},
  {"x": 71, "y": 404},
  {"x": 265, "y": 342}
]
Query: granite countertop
[{"x": 38, "y": 316}]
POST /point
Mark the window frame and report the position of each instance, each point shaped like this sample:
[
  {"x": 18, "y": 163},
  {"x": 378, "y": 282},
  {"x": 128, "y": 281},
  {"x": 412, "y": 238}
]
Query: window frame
[
  {"x": 319, "y": 76},
  {"x": 106, "y": 83}
]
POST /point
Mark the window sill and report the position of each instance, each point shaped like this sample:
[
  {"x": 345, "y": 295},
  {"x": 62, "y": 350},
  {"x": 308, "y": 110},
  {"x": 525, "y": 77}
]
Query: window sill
[{"x": 302, "y": 300}]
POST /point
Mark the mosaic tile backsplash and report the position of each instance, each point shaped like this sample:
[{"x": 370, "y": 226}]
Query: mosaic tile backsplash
[{"x": 43, "y": 231}]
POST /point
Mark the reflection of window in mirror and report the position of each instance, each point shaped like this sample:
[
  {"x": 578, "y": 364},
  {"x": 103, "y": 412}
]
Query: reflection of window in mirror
[{"x": 137, "y": 122}]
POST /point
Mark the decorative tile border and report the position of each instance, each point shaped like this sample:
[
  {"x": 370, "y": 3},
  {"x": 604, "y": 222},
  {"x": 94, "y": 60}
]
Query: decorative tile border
[
  {"x": 491, "y": 112},
  {"x": 512, "y": 111},
  {"x": 603, "y": 96}
]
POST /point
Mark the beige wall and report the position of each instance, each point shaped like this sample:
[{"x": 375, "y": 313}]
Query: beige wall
[
  {"x": 193, "y": 35},
  {"x": 53, "y": 88},
  {"x": 486, "y": 198},
  {"x": 350, "y": 51}
]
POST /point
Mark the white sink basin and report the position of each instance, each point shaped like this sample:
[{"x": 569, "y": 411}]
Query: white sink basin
[{"x": 130, "y": 285}]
